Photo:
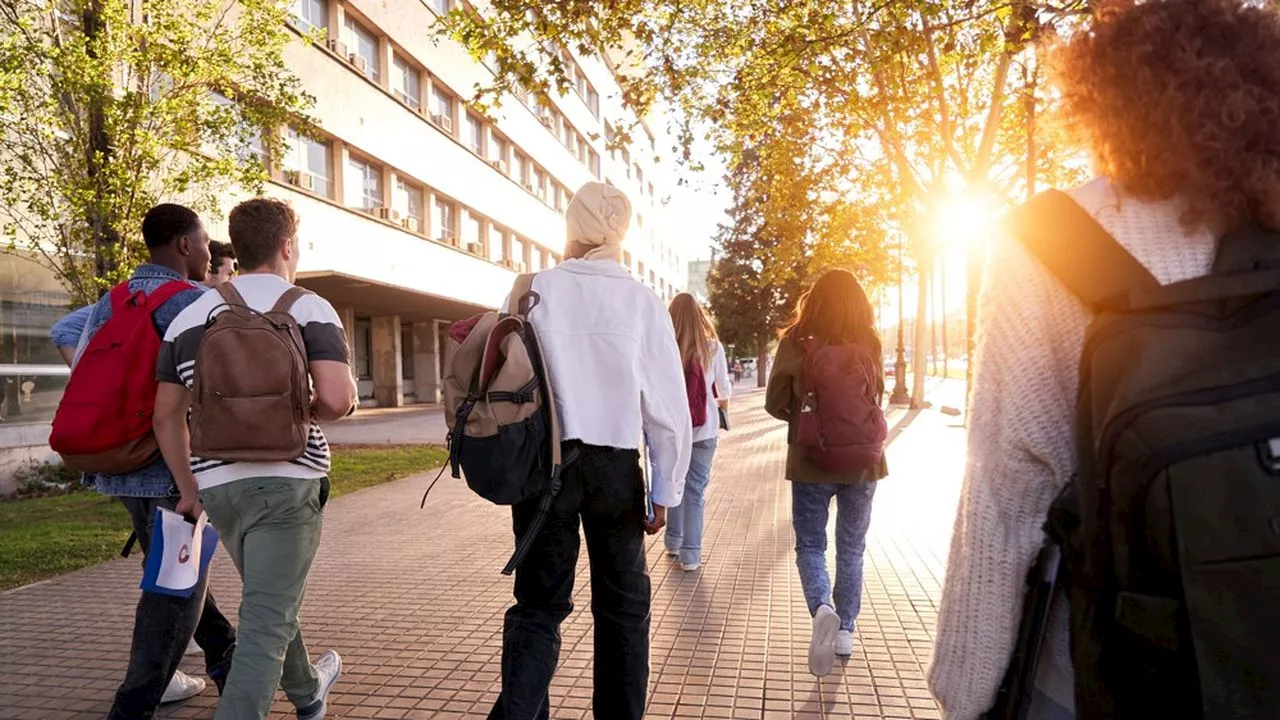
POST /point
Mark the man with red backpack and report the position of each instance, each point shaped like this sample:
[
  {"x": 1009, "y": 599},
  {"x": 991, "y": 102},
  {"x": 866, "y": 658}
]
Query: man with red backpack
[{"x": 110, "y": 438}]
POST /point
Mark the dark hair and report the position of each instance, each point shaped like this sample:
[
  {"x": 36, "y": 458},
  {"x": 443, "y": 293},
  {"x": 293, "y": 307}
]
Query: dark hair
[
  {"x": 259, "y": 228},
  {"x": 167, "y": 222},
  {"x": 836, "y": 311},
  {"x": 1182, "y": 98},
  {"x": 219, "y": 251}
]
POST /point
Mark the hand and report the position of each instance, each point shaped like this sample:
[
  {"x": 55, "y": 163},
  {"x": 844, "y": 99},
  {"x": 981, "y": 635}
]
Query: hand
[
  {"x": 189, "y": 507},
  {"x": 659, "y": 520}
]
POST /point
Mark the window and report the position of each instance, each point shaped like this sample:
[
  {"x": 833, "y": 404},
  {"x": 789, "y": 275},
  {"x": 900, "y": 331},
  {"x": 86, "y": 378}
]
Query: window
[
  {"x": 593, "y": 162},
  {"x": 626, "y": 260},
  {"x": 522, "y": 169},
  {"x": 442, "y": 6},
  {"x": 364, "y": 187},
  {"x": 407, "y": 200},
  {"x": 406, "y": 80},
  {"x": 475, "y": 134},
  {"x": 535, "y": 259},
  {"x": 442, "y": 103},
  {"x": 445, "y": 220},
  {"x": 540, "y": 182},
  {"x": 311, "y": 14},
  {"x": 364, "y": 348},
  {"x": 640, "y": 178},
  {"x": 567, "y": 136},
  {"x": 497, "y": 148},
  {"x": 472, "y": 229},
  {"x": 364, "y": 49},
  {"x": 497, "y": 243},
  {"x": 247, "y": 148},
  {"x": 583, "y": 150},
  {"x": 557, "y": 196},
  {"x": 518, "y": 247},
  {"x": 593, "y": 102},
  {"x": 305, "y": 156}
]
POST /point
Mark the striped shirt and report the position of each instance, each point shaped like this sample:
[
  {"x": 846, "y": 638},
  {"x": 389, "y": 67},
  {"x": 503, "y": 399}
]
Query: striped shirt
[{"x": 323, "y": 338}]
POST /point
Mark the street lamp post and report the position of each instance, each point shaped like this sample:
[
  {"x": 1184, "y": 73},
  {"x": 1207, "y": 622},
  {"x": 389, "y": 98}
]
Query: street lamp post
[{"x": 900, "y": 395}]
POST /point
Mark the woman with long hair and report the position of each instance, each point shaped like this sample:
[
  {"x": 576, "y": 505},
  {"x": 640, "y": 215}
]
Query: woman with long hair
[
  {"x": 704, "y": 361},
  {"x": 1178, "y": 101},
  {"x": 833, "y": 339}
]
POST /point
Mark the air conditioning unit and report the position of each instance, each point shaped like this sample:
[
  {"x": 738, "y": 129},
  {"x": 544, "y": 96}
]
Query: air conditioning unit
[
  {"x": 528, "y": 186},
  {"x": 475, "y": 248},
  {"x": 337, "y": 47},
  {"x": 358, "y": 61},
  {"x": 447, "y": 237},
  {"x": 499, "y": 165},
  {"x": 541, "y": 194},
  {"x": 385, "y": 213},
  {"x": 442, "y": 122},
  {"x": 548, "y": 122},
  {"x": 412, "y": 224},
  {"x": 299, "y": 179},
  {"x": 520, "y": 267}
]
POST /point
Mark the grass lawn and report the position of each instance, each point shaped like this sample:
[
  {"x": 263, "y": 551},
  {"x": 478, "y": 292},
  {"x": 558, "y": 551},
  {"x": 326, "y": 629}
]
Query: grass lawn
[{"x": 43, "y": 537}]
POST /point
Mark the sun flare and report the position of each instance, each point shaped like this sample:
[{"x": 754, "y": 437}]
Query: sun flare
[{"x": 965, "y": 218}]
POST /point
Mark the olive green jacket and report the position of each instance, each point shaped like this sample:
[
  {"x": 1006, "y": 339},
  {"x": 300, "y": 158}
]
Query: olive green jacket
[{"x": 782, "y": 400}]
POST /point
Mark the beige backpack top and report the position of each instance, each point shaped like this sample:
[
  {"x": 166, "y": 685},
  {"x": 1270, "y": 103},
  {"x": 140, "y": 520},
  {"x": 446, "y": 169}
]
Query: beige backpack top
[{"x": 251, "y": 398}]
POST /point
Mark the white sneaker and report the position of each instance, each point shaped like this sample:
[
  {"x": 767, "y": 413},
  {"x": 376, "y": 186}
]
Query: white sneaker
[
  {"x": 193, "y": 648},
  {"x": 822, "y": 645},
  {"x": 329, "y": 668},
  {"x": 182, "y": 687},
  {"x": 844, "y": 643},
  {"x": 691, "y": 567}
]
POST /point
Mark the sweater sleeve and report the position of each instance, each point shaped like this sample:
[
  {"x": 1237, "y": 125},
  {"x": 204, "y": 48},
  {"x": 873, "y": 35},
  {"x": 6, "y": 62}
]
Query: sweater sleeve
[
  {"x": 1021, "y": 452},
  {"x": 664, "y": 407},
  {"x": 778, "y": 395}
]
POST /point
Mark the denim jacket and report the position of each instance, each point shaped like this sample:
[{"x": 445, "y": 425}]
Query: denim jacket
[{"x": 154, "y": 480}]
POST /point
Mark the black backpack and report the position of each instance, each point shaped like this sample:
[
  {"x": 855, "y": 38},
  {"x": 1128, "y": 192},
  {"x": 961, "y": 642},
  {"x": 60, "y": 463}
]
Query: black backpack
[{"x": 1170, "y": 530}]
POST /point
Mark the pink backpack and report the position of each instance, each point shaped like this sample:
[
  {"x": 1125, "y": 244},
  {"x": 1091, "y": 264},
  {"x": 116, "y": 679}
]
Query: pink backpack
[
  {"x": 841, "y": 426},
  {"x": 695, "y": 385}
]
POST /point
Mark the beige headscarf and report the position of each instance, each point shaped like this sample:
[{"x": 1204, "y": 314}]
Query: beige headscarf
[{"x": 598, "y": 217}]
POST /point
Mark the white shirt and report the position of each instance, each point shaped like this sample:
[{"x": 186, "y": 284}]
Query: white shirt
[
  {"x": 717, "y": 379},
  {"x": 611, "y": 354}
]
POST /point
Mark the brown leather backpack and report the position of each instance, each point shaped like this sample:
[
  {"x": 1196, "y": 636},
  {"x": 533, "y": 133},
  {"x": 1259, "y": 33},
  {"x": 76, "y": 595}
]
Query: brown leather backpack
[{"x": 251, "y": 399}]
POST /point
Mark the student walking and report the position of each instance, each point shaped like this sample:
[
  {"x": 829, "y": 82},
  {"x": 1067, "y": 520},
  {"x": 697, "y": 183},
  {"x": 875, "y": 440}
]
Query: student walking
[
  {"x": 827, "y": 383},
  {"x": 1177, "y": 102},
  {"x": 614, "y": 367},
  {"x": 708, "y": 388},
  {"x": 178, "y": 250},
  {"x": 222, "y": 263},
  {"x": 257, "y": 362}
]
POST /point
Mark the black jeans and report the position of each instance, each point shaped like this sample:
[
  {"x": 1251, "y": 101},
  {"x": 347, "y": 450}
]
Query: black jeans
[
  {"x": 162, "y": 628},
  {"x": 605, "y": 489}
]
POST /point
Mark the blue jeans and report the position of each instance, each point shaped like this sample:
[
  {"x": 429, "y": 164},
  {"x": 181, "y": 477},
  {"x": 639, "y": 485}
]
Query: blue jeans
[
  {"x": 810, "y": 507},
  {"x": 685, "y": 523}
]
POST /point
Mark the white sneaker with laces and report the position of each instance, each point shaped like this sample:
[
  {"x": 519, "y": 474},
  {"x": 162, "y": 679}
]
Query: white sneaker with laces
[
  {"x": 844, "y": 643},
  {"x": 182, "y": 687},
  {"x": 329, "y": 668},
  {"x": 691, "y": 567},
  {"x": 822, "y": 645}
]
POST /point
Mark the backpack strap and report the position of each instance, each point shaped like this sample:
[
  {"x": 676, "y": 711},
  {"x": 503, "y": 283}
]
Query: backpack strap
[
  {"x": 165, "y": 293},
  {"x": 522, "y": 289},
  {"x": 230, "y": 295},
  {"x": 290, "y": 298},
  {"x": 1079, "y": 252}
]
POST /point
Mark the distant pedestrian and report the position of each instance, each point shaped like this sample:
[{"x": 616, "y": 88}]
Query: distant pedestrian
[
  {"x": 1179, "y": 104},
  {"x": 222, "y": 263},
  {"x": 258, "y": 460},
  {"x": 708, "y": 386},
  {"x": 737, "y": 371},
  {"x": 827, "y": 384},
  {"x": 163, "y": 625},
  {"x": 614, "y": 367}
]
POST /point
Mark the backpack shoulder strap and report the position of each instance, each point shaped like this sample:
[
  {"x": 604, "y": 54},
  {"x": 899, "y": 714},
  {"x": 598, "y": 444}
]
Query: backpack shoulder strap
[
  {"x": 1079, "y": 252},
  {"x": 288, "y": 299},
  {"x": 165, "y": 293},
  {"x": 230, "y": 295},
  {"x": 523, "y": 286}
]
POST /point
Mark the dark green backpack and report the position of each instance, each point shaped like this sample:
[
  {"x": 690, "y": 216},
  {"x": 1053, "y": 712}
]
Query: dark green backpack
[{"x": 1170, "y": 530}]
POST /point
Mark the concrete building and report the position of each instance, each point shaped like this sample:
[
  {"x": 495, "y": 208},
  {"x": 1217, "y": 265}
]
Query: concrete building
[
  {"x": 699, "y": 271},
  {"x": 416, "y": 209}
]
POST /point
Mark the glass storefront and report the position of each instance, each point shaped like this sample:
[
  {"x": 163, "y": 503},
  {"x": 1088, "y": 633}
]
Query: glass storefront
[{"x": 31, "y": 370}]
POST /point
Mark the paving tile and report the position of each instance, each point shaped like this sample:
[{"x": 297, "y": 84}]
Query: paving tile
[{"x": 414, "y": 602}]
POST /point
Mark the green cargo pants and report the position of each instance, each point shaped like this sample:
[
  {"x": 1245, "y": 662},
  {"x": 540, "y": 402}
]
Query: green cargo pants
[{"x": 270, "y": 527}]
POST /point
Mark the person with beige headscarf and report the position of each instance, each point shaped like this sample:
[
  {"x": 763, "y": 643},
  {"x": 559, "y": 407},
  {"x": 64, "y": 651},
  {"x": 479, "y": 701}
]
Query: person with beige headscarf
[{"x": 611, "y": 355}]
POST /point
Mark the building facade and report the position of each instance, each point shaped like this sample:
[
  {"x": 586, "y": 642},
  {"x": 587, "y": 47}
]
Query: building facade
[{"x": 416, "y": 209}]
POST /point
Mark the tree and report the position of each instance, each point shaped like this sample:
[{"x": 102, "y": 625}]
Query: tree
[{"x": 113, "y": 105}]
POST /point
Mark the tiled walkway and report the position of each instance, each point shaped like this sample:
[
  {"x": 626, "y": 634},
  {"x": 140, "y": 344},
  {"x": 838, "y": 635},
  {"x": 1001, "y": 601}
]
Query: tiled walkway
[{"x": 413, "y": 600}]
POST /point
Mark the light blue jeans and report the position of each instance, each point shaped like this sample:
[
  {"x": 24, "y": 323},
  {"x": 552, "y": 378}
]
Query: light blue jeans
[
  {"x": 684, "y": 523},
  {"x": 810, "y": 508}
]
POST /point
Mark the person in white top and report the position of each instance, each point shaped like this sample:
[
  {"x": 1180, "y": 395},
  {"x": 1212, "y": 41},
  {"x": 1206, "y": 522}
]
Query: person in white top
[
  {"x": 611, "y": 357},
  {"x": 1178, "y": 104},
  {"x": 701, "y": 354}
]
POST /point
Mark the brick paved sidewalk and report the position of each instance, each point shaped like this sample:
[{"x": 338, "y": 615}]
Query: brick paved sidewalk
[{"x": 413, "y": 600}]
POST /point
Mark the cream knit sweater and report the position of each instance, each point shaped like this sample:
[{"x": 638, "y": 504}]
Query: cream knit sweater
[{"x": 1021, "y": 446}]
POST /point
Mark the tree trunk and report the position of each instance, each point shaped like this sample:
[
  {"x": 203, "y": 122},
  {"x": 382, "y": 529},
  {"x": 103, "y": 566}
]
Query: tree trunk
[
  {"x": 922, "y": 337},
  {"x": 762, "y": 362},
  {"x": 933, "y": 321},
  {"x": 942, "y": 310},
  {"x": 106, "y": 237}
]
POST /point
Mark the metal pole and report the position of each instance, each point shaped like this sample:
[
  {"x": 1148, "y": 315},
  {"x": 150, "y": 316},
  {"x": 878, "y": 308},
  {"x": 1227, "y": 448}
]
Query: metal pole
[{"x": 900, "y": 395}]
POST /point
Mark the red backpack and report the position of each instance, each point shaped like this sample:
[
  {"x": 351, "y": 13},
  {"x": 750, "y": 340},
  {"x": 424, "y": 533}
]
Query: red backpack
[
  {"x": 695, "y": 385},
  {"x": 103, "y": 424},
  {"x": 841, "y": 426}
]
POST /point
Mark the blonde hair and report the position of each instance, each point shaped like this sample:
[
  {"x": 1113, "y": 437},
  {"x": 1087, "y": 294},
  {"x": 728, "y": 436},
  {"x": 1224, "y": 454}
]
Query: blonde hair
[{"x": 694, "y": 331}]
